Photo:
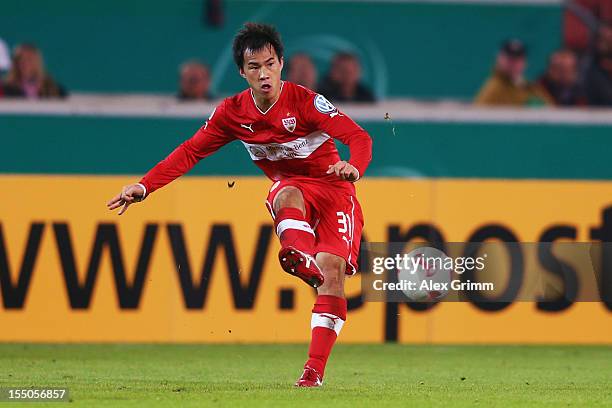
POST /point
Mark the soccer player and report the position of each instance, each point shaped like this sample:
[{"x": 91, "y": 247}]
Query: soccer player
[{"x": 288, "y": 131}]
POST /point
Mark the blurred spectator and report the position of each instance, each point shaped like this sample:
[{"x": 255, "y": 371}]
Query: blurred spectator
[
  {"x": 28, "y": 78},
  {"x": 194, "y": 81},
  {"x": 343, "y": 84},
  {"x": 5, "y": 63},
  {"x": 302, "y": 71},
  {"x": 5, "y": 57},
  {"x": 560, "y": 80},
  {"x": 598, "y": 79},
  {"x": 507, "y": 84},
  {"x": 582, "y": 18}
]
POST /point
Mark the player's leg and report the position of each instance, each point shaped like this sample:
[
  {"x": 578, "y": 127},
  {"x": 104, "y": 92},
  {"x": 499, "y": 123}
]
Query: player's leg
[
  {"x": 296, "y": 236},
  {"x": 328, "y": 317},
  {"x": 338, "y": 240}
]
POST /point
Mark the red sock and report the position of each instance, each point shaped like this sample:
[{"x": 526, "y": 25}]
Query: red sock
[
  {"x": 293, "y": 229},
  {"x": 328, "y": 317}
]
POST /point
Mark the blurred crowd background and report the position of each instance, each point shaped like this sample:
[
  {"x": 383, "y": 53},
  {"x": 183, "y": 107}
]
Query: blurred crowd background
[{"x": 578, "y": 71}]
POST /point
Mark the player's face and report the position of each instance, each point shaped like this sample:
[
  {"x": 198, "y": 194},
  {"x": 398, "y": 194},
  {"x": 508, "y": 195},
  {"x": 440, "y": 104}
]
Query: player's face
[{"x": 262, "y": 70}]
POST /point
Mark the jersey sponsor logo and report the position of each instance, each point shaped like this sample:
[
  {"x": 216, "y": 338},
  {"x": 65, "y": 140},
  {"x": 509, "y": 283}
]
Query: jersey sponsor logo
[
  {"x": 290, "y": 123},
  {"x": 257, "y": 152},
  {"x": 323, "y": 105},
  {"x": 299, "y": 148}
]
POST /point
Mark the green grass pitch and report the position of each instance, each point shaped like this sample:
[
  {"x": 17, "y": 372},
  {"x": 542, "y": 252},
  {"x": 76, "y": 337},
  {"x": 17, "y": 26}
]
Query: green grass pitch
[{"x": 358, "y": 375}]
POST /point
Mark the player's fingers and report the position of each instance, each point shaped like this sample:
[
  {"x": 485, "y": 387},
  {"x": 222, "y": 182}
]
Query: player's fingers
[
  {"x": 124, "y": 208},
  {"x": 332, "y": 168},
  {"x": 126, "y": 195},
  {"x": 114, "y": 200},
  {"x": 116, "y": 204},
  {"x": 133, "y": 190},
  {"x": 347, "y": 176},
  {"x": 348, "y": 172},
  {"x": 348, "y": 169},
  {"x": 339, "y": 167}
]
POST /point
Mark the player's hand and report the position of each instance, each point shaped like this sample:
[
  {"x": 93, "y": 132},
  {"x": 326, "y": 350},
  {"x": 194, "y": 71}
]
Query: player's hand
[
  {"x": 344, "y": 170},
  {"x": 129, "y": 195}
]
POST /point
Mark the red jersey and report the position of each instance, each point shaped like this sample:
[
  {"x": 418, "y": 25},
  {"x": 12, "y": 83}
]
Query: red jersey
[{"x": 293, "y": 138}]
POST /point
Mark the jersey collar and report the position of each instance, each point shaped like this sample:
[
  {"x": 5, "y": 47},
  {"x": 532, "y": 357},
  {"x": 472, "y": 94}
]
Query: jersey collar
[{"x": 271, "y": 106}]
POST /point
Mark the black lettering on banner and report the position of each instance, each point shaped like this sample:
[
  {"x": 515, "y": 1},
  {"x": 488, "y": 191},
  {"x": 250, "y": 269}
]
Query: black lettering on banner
[
  {"x": 428, "y": 233},
  {"x": 515, "y": 280},
  {"x": 106, "y": 237},
  {"x": 604, "y": 234},
  {"x": 563, "y": 270},
  {"x": 220, "y": 236},
  {"x": 286, "y": 299},
  {"x": 13, "y": 296}
]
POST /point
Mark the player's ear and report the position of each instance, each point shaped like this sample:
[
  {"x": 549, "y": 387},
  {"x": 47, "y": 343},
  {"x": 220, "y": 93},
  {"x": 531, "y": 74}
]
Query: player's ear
[
  {"x": 282, "y": 63},
  {"x": 242, "y": 74}
]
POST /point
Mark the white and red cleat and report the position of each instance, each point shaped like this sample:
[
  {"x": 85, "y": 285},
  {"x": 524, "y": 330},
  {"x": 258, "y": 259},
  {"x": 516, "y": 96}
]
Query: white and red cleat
[
  {"x": 300, "y": 264},
  {"x": 310, "y": 378}
]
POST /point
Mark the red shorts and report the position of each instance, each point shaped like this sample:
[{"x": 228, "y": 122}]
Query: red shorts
[{"x": 333, "y": 212}]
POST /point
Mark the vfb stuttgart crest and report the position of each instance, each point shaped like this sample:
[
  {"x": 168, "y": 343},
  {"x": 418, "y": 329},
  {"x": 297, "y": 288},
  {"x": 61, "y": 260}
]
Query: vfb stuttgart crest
[{"x": 289, "y": 123}]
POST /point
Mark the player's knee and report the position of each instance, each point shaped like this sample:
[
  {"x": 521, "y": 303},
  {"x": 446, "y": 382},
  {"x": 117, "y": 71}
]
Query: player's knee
[
  {"x": 289, "y": 197},
  {"x": 333, "y": 268}
]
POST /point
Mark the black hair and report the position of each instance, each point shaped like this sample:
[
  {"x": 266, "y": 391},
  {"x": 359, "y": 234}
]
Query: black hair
[{"x": 254, "y": 37}]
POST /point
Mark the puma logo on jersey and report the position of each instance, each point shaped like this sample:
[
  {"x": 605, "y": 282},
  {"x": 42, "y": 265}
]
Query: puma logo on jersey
[
  {"x": 249, "y": 126},
  {"x": 347, "y": 241},
  {"x": 333, "y": 318},
  {"x": 327, "y": 320}
]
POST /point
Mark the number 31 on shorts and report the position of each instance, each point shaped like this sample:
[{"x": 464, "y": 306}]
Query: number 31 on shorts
[{"x": 346, "y": 228}]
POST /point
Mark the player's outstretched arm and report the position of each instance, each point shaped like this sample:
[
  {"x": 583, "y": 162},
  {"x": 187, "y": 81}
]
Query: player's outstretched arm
[
  {"x": 207, "y": 140},
  {"x": 133, "y": 193}
]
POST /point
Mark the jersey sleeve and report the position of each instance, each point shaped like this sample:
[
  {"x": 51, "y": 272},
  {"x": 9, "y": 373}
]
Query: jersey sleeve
[
  {"x": 207, "y": 140},
  {"x": 324, "y": 116}
]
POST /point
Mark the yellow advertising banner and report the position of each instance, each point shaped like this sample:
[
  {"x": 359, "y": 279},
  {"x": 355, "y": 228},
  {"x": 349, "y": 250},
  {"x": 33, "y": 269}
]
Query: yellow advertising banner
[{"x": 196, "y": 262}]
